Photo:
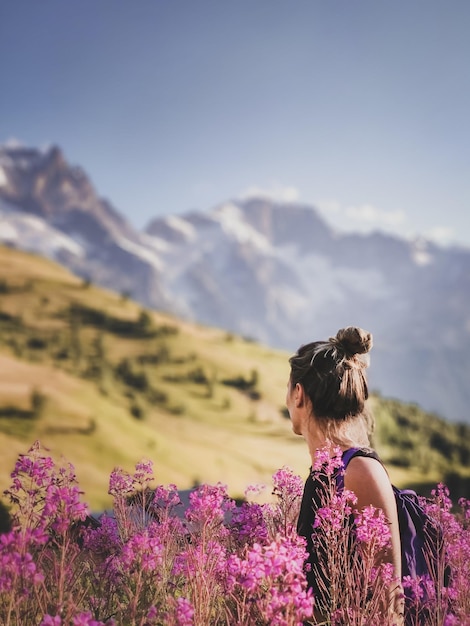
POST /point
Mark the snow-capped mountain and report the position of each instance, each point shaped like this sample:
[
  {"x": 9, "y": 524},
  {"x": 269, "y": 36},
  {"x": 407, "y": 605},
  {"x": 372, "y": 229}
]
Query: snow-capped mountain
[
  {"x": 51, "y": 208},
  {"x": 271, "y": 271}
]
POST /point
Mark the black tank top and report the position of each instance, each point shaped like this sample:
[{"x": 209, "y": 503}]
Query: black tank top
[{"x": 313, "y": 498}]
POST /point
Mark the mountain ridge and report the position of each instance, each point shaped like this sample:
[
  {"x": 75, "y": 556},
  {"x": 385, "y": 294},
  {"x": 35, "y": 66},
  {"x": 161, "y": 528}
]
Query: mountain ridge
[{"x": 263, "y": 269}]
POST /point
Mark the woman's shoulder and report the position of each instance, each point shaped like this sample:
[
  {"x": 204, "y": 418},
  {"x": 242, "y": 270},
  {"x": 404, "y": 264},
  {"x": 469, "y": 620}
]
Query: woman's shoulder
[
  {"x": 367, "y": 478},
  {"x": 366, "y": 471}
]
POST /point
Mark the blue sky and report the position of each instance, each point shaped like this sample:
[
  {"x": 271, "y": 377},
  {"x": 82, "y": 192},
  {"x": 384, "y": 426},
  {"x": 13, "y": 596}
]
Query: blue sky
[{"x": 358, "y": 107}]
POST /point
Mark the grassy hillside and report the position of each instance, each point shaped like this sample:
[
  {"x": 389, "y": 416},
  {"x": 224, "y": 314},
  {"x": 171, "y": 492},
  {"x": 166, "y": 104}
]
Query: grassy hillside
[{"x": 103, "y": 382}]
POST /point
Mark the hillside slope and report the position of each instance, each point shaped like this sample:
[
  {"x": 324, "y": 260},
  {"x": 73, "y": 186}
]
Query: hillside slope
[{"x": 104, "y": 382}]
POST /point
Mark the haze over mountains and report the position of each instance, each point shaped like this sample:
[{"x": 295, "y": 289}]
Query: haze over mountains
[{"x": 271, "y": 271}]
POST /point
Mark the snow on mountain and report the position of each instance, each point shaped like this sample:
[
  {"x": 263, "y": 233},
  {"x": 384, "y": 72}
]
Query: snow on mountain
[
  {"x": 95, "y": 240},
  {"x": 141, "y": 251},
  {"x": 271, "y": 271},
  {"x": 33, "y": 234},
  {"x": 233, "y": 224},
  {"x": 247, "y": 269},
  {"x": 178, "y": 224}
]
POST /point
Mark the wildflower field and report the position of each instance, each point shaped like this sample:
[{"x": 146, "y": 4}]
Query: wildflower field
[{"x": 152, "y": 562}]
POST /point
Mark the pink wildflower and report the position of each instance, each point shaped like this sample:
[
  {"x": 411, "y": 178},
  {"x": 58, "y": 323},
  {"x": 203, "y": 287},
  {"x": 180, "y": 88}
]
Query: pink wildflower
[
  {"x": 274, "y": 578},
  {"x": 143, "y": 474},
  {"x": 372, "y": 527},
  {"x": 287, "y": 484},
  {"x": 85, "y": 619},
  {"x": 208, "y": 504},
  {"x": 104, "y": 539},
  {"x": 333, "y": 517},
  {"x": 142, "y": 551},
  {"x": 184, "y": 612},
  {"x": 49, "y": 620},
  {"x": 413, "y": 586},
  {"x": 385, "y": 572},
  {"x": 121, "y": 483},
  {"x": 167, "y": 496},
  {"x": 62, "y": 506},
  {"x": 152, "y": 614},
  {"x": 254, "y": 490},
  {"x": 45, "y": 495},
  {"x": 248, "y": 523},
  {"x": 328, "y": 459},
  {"x": 18, "y": 572}
]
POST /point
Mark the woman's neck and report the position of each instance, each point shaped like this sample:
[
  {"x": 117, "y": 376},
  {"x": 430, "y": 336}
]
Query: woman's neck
[
  {"x": 344, "y": 437},
  {"x": 315, "y": 438}
]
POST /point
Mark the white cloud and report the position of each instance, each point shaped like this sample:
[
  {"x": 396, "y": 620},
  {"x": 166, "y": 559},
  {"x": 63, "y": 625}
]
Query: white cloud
[
  {"x": 372, "y": 215},
  {"x": 13, "y": 142},
  {"x": 276, "y": 192},
  {"x": 363, "y": 218},
  {"x": 328, "y": 207}
]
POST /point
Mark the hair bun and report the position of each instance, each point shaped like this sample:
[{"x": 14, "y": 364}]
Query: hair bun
[{"x": 354, "y": 340}]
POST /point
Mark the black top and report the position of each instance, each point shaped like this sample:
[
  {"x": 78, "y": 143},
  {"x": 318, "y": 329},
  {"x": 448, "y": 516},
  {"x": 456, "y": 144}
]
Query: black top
[{"x": 315, "y": 497}]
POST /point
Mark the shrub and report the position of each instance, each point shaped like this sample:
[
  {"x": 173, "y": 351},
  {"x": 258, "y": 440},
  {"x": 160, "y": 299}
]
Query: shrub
[
  {"x": 246, "y": 385},
  {"x": 198, "y": 376},
  {"x": 162, "y": 355},
  {"x": 38, "y": 402},
  {"x": 131, "y": 377},
  {"x": 89, "y": 316},
  {"x": 137, "y": 411},
  {"x": 156, "y": 396},
  {"x": 177, "y": 409},
  {"x": 6, "y": 317},
  {"x": 36, "y": 343}
]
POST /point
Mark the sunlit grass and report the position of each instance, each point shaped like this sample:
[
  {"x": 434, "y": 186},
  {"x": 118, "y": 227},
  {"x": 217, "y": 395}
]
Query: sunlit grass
[{"x": 195, "y": 431}]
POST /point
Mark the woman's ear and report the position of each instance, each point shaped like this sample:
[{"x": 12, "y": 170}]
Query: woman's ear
[{"x": 299, "y": 395}]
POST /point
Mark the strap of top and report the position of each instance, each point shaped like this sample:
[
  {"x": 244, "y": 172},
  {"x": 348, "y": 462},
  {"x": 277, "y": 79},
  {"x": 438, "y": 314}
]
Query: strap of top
[{"x": 349, "y": 454}]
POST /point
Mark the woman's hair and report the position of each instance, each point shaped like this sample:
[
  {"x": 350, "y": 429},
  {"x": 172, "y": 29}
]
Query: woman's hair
[{"x": 332, "y": 374}]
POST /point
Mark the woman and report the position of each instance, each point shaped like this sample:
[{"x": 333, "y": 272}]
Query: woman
[{"x": 326, "y": 400}]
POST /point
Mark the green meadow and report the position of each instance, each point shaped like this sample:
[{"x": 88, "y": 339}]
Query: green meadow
[{"x": 103, "y": 382}]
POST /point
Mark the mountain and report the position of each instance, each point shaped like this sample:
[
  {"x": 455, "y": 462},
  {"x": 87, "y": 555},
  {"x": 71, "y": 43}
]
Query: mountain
[
  {"x": 52, "y": 208},
  {"x": 273, "y": 272}
]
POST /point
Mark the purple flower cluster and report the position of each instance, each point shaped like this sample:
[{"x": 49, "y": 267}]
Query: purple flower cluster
[
  {"x": 148, "y": 564},
  {"x": 208, "y": 505},
  {"x": 271, "y": 579},
  {"x": 328, "y": 459},
  {"x": 444, "y": 596},
  {"x": 371, "y": 528},
  {"x": 288, "y": 489},
  {"x": 19, "y": 573},
  {"x": 46, "y": 496},
  {"x": 248, "y": 523}
]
